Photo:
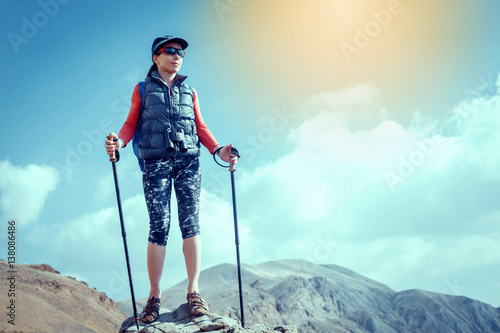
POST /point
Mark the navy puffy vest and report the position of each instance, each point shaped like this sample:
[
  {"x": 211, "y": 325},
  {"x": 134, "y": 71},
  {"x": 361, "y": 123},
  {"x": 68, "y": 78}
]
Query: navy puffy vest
[{"x": 167, "y": 110}]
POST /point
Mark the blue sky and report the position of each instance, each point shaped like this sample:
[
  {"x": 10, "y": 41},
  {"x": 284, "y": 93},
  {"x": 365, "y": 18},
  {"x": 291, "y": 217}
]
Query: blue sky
[{"x": 369, "y": 135}]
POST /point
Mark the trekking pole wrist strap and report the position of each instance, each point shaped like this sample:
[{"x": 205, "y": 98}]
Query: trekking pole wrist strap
[
  {"x": 123, "y": 142},
  {"x": 217, "y": 150},
  {"x": 234, "y": 152}
]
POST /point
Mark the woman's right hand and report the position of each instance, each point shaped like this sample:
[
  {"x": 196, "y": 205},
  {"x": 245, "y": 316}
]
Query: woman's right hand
[{"x": 111, "y": 146}]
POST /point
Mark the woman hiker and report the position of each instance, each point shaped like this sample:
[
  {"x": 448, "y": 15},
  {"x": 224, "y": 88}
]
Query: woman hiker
[{"x": 172, "y": 129}]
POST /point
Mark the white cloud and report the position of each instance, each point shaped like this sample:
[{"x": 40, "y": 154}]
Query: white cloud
[
  {"x": 356, "y": 105},
  {"x": 100, "y": 232},
  {"x": 24, "y": 190},
  {"x": 218, "y": 233},
  {"x": 434, "y": 255},
  {"x": 105, "y": 187},
  {"x": 92, "y": 245}
]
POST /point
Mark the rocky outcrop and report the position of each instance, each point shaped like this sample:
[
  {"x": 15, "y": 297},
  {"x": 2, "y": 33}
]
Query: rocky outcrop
[
  {"x": 47, "y": 301},
  {"x": 181, "y": 320}
]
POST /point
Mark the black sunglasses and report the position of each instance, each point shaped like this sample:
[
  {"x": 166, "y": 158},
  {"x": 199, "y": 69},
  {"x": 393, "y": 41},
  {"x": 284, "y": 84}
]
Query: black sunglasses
[{"x": 172, "y": 50}]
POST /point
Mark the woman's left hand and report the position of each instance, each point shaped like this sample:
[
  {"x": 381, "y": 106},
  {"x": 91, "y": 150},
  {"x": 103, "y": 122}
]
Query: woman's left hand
[{"x": 225, "y": 154}]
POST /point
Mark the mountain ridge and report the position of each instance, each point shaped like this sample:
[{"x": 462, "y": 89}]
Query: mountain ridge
[{"x": 331, "y": 298}]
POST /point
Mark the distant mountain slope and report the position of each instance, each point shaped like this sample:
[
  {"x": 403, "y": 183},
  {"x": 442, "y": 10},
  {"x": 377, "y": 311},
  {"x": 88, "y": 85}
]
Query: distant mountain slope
[
  {"x": 49, "y": 302},
  {"x": 330, "y": 298}
]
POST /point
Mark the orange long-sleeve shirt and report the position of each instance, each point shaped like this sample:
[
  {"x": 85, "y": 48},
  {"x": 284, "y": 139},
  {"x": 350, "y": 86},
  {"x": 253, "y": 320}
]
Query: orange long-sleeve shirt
[{"x": 128, "y": 129}]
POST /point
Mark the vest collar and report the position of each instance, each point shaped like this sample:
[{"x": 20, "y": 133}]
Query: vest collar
[{"x": 178, "y": 78}]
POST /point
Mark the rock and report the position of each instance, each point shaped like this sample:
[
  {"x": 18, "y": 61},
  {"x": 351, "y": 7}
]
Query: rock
[
  {"x": 181, "y": 321},
  {"x": 44, "y": 268},
  {"x": 260, "y": 286}
]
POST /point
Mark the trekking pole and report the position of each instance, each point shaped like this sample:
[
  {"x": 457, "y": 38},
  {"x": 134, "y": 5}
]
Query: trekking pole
[
  {"x": 113, "y": 161},
  {"x": 234, "y": 156},
  {"x": 237, "y": 240}
]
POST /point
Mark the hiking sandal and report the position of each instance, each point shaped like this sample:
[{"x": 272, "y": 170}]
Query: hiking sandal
[
  {"x": 151, "y": 311},
  {"x": 197, "y": 305}
]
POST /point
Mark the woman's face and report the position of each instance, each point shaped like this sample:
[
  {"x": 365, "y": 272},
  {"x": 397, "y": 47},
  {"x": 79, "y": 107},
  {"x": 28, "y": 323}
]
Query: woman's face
[{"x": 170, "y": 63}]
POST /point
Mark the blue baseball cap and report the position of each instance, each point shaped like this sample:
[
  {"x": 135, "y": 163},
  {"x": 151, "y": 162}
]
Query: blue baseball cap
[{"x": 165, "y": 39}]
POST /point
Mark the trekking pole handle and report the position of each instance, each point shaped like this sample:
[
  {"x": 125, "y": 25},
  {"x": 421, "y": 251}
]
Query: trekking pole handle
[
  {"x": 233, "y": 159},
  {"x": 112, "y": 157},
  {"x": 232, "y": 162}
]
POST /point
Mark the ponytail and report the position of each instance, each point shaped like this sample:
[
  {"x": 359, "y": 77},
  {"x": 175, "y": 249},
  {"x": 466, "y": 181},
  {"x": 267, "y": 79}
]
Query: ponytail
[{"x": 153, "y": 68}]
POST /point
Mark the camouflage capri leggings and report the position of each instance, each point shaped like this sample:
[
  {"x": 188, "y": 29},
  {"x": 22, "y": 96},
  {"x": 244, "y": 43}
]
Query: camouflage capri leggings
[{"x": 157, "y": 182}]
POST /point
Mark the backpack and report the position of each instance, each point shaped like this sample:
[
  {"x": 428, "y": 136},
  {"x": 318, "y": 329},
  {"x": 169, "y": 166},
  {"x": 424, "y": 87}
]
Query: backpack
[{"x": 137, "y": 136}]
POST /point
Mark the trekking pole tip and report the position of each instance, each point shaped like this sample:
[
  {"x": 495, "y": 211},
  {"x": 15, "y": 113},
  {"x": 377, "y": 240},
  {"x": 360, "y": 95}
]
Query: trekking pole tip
[{"x": 137, "y": 323}]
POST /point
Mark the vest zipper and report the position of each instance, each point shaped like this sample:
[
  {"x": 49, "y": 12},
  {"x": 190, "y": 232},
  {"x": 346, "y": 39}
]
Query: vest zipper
[
  {"x": 171, "y": 91},
  {"x": 171, "y": 114}
]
